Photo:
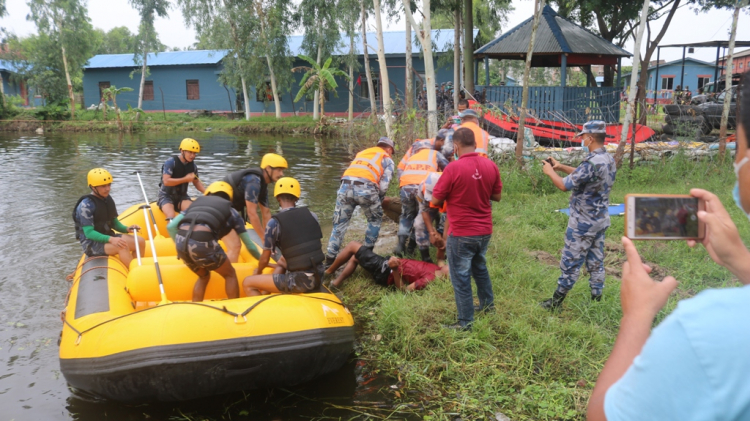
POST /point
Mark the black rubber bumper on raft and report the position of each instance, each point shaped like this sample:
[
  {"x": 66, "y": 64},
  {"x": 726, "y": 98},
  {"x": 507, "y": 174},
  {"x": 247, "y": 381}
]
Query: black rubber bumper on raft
[{"x": 187, "y": 371}]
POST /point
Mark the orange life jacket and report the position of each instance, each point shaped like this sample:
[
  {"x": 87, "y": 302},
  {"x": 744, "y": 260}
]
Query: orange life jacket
[
  {"x": 480, "y": 136},
  {"x": 419, "y": 166},
  {"x": 442, "y": 208},
  {"x": 402, "y": 163},
  {"x": 367, "y": 164}
]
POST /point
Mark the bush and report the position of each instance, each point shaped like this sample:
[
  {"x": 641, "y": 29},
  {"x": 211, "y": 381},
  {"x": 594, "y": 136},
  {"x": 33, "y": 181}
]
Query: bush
[
  {"x": 53, "y": 111},
  {"x": 8, "y": 108}
]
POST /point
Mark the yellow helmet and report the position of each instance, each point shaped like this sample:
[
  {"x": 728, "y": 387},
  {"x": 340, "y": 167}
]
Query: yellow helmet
[
  {"x": 273, "y": 160},
  {"x": 287, "y": 185},
  {"x": 99, "y": 177},
  {"x": 190, "y": 145},
  {"x": 219, "y": 187}
]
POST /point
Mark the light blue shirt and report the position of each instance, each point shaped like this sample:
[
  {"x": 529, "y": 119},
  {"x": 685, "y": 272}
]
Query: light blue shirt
[{"x": 695, "y": 365}]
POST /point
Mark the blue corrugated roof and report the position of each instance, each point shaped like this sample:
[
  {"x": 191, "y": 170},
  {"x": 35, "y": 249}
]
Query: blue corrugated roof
[
  {"x": 170, "y": 58},
  {"x": 394, "y": 42},
  {"x": 8, "y": 66}
]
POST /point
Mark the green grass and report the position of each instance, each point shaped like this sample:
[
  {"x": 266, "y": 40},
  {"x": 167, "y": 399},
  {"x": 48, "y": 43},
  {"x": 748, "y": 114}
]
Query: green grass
[
  {"x": 94, "y": 121},
  {"x": 523, "y": 361}
]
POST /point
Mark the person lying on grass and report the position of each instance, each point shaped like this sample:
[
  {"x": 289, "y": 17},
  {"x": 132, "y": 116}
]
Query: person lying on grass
[{"x": 404, "y": 274}]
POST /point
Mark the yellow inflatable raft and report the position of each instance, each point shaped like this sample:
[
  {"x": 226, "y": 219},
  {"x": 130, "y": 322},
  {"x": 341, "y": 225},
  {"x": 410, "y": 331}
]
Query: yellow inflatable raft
[{"x": 120, "y": 343}]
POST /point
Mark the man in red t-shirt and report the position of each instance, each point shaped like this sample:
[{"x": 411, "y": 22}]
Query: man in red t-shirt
[
  {"x": 469, "y": 185},
  {"x": 405, "y": 274}
]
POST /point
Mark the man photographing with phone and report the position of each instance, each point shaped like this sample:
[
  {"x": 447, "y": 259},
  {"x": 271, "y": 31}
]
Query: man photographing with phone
[{"x": 590, "y": 184}]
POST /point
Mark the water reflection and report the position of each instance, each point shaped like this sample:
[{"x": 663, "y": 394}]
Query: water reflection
[{"x": 43, "y": 177}]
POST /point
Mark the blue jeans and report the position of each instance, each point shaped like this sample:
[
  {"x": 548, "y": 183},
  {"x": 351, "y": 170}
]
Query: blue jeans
[{"x": 466, "y": 259}]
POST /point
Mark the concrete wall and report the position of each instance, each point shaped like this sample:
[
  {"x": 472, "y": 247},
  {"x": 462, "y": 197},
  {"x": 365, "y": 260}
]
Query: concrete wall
[{"x": 171, "y": 80}]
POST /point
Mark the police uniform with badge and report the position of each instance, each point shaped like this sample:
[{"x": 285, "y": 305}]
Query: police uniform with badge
[
  {"x": 419, "y": 165},
  {"x": 363, "y": 184},
  {"x": 590, "y": 185},
  {"x": 296, "y": 231},
  {"x": 172, "y": 199},
  {"x": 470, "y": 120}
]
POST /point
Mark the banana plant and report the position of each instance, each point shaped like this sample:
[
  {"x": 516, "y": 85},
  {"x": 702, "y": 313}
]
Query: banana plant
[
  {"x": 320, "y": 78},
  {"x": 111, "y": 94}
]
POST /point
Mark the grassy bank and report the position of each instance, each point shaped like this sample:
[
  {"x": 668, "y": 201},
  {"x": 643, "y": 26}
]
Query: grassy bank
[
  {"x": 95, "y": 121},
  {"x": 521, "y": 360}
]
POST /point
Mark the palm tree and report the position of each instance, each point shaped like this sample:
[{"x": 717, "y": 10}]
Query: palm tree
[{"x": 318, "y": 78}]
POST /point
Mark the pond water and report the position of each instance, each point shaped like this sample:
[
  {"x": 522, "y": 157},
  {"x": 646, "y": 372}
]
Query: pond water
[{"x": 44, "y": 176}]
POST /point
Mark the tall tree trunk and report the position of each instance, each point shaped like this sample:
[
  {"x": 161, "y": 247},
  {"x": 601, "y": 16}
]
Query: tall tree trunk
[
  {"x": 316, "y": 100},
  {"x": 322, "y": 100},
  {"x": 2, "y": 90},
  {"x": 384, "y": 82},
  {"x": 425, "y": 39},
  {"x": 409, "y": 80},
  {"x": 469, "y": 46},
  {"x": 246, "y": 104},
  {"x": 143, "y": 70},
  {"x": 67, "y": 78},
  {"x": 642, "y": 90},
  {"x": 276, "y": 101},
  {"x": 368, "y": 72},
  {"x": 633, "y": 81},
  {"x": 538, "y": 7},
  {"x": 456, "y": 58},
  {"x": 351, "y": 78},
  {"x": 728, "y": 77}
]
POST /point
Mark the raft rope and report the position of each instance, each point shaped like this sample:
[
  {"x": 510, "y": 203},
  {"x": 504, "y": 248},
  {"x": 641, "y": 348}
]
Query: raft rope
[{"x": 223, "y": 309}]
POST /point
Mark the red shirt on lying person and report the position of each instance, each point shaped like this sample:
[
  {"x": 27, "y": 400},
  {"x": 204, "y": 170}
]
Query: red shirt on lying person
[{"x": 414, "y": 272}]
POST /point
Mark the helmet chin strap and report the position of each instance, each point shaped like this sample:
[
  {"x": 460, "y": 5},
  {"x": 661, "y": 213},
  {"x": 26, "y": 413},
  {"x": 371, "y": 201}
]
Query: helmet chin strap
[{"x": 267, "y": 174}]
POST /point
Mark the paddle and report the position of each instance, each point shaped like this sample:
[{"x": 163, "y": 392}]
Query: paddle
[
  {"x": 156, "y": 229},
  {"x": 153, "y": 252}
]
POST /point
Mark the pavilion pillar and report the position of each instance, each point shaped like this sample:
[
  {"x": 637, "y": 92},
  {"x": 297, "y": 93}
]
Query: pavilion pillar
[
  {"x": 486, "y": 71},
  {"x": 476, "y": 69},
  {"x": 563, "y": 69}
]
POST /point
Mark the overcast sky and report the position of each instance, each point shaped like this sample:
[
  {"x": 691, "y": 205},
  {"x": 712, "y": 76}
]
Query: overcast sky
[{"x": 686, "y": 26}]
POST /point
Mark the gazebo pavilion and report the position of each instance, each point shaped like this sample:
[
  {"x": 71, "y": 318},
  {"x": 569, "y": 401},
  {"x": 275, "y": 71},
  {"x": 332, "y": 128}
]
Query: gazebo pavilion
[{"x": 559, "y": 43}]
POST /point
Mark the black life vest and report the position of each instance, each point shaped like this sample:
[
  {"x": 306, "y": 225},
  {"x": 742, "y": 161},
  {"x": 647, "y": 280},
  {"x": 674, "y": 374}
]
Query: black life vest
[
  {"x": 212, "y": 211},
  {"x": 238, "y": 197},
  {"x": 104, "y": 212},
  {"x": 180, "y": 170},
  {"x": 300, "y": 239}
]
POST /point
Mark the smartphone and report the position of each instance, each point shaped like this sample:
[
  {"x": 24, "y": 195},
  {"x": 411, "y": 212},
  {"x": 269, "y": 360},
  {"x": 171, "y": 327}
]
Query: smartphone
[{"x": 663, "y": 217}]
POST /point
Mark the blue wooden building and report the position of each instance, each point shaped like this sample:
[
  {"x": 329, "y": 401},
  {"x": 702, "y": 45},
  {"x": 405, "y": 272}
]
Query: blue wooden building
[
  {"x": 188, "y": 80},
  {"x": 184, "y": 80},
  {"x": 15, "y": 85},
  {"x": 673, "y": 75}
]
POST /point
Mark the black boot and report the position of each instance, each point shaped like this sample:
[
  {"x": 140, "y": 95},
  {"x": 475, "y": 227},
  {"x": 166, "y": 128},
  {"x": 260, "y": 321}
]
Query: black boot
[
  {"x": 425, "y": 253},
  {"x": 553, "y": 303},
  {"x": 329, "y": 261},
  {"x": 596, "y": 297},
  {"x": 412, "y": 245},
  {"x": 401, "y": 246}
]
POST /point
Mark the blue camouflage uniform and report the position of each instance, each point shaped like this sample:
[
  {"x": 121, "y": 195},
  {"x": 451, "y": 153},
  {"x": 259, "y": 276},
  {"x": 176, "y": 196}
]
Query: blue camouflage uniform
[
  {"x": 408, "y": 193},
  {"x": 169, "y": 194},
  {"x": 250, "y": 184},
  {"x": 294, "y": 281},
  {"x": 590, "y": 185},
  {"x": 366, "y": 195},
  {"x": 205, "y": 256},
  {"x": 420, "y": 228}
]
